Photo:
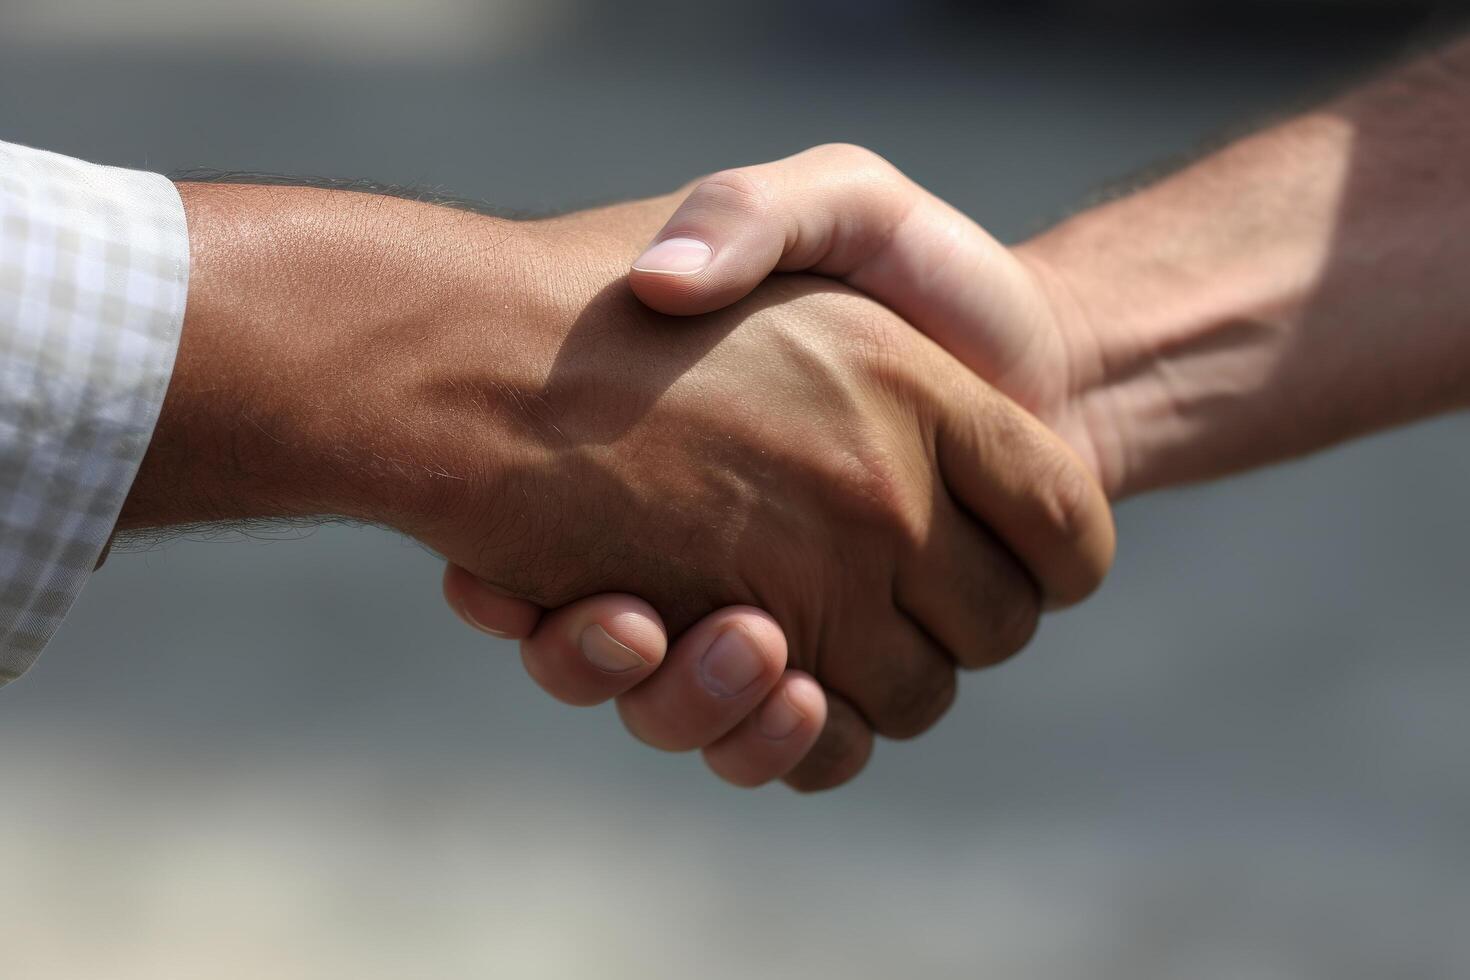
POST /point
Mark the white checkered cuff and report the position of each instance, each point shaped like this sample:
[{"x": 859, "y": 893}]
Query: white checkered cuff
[{"x": 94, "y": 268}]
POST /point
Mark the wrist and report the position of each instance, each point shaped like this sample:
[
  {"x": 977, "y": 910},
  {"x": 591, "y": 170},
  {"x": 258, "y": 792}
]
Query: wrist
[
  {"x": 313, "y": 325},
  {"x": 1182, "y": 319},
  {"x": 1086, "y": 409}
]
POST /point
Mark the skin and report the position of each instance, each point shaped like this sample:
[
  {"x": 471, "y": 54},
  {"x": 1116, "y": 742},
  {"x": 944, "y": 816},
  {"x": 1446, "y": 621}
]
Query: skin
[
  {"x": 1302, "y": 287},
  {"x": 806, "y": 488}
]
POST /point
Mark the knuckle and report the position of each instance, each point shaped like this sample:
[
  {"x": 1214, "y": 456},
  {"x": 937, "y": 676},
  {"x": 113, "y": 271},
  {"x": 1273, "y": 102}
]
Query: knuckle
[
  {"x": 1072, "y": 508},
  {"x": 884, "y": 349},
  {"x": 1070, "y": 502},
  {"x": 851, "y": 156},
  {"x": 738, "y": 191},
  {"x": 867, "y": 172},
  {"x": 1007, "y": 607},
  {"x": 839, "y": 754},
  {"x": 887, "y": 497},
  {"x": 912, "y": 708},
  {"x": 1017, "y": 618},
  {"x": 827, "y": 766},
  {"x": 872, "y": 332},
  {"x": 875, "y": 481}
]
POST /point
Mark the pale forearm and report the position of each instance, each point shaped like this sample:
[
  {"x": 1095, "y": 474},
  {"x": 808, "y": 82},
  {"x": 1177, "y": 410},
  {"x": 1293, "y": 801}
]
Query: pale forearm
[{"x": 1304, "y": 286}]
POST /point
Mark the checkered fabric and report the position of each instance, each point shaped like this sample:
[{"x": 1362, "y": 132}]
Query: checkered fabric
[{"x": 94, "y": 267}]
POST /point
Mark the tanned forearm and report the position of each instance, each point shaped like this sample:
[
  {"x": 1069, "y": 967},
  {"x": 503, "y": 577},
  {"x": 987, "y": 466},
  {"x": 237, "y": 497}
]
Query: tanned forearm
[
  {"x": 308, "y": 310},
  {"x": 1306, "y": 285}
]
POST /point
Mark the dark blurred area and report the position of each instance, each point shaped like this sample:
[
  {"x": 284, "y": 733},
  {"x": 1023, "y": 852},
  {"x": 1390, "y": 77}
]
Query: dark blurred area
[
  {"x": 1243, "y": 760},
  {"x": 1313, "y": 24}
]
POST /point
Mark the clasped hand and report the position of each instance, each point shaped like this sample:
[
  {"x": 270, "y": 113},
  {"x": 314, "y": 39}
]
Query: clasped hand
[{"x": 827, "y": 510}]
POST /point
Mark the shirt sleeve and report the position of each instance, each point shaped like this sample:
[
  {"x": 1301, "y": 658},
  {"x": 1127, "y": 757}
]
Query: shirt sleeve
[{"x": 94, "y": 267}]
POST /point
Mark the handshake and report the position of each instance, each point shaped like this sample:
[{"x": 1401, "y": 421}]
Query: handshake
[
  {"x": 769, "y": 513},
  {"x": 768, "y": 460},
  {"x": 828, "y": 504}
]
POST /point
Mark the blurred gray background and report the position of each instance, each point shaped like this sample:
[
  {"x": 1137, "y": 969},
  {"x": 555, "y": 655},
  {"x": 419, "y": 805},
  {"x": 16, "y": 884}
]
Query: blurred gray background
[{"x": 1245, "y": 758}]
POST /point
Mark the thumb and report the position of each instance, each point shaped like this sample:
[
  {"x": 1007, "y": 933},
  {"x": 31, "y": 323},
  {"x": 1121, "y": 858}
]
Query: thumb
[
  {"x": 486, "y": 608},
  {"x": 828, "y": 210}
]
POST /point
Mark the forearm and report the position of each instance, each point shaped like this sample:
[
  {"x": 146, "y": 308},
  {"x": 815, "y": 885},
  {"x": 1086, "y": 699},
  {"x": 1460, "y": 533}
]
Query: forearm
[
  {"x": 308, "y": 315},
  {"x": 1304, "y": 286}
]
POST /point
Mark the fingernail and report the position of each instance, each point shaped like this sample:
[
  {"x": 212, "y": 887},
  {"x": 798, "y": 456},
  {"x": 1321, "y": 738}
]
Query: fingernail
[
  {"x": 468, "y": 617},
  {"x": 675, "y": 257},
  {"x": 779, "y": 718},
  {"x": 731, "y": 664},
  {"x": 607, "y": 654}
]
